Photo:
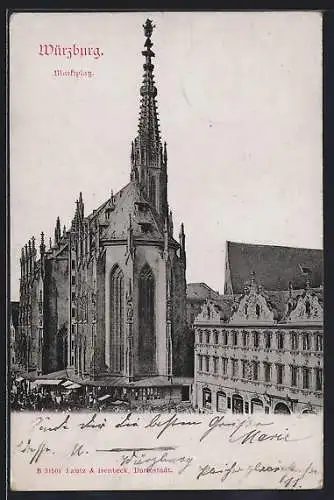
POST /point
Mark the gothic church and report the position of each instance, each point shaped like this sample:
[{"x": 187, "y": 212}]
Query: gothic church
[{"x": 108, "y": 298}]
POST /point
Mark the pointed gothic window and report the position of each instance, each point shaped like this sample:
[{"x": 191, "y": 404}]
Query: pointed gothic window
[
  {"x": 117, "y": 319},
  {"x": 147, "y": 320}
]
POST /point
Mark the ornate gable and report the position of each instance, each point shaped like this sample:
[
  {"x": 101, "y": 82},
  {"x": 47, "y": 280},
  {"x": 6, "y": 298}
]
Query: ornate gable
[
  {"x": 210, "y": 313},
  {"x": 252, "y": 306},
  {"x": 306, "y": 307}
]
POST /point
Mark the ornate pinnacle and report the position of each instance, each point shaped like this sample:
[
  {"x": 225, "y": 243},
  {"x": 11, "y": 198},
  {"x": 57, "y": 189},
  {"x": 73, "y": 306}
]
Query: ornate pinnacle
[
  {"x": 148, "y": 28},
  {"x": 42, "y": 245}
]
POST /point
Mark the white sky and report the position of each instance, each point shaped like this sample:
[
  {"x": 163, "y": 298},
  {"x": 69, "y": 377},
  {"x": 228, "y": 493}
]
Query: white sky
[{"x": 239, "y": 96}]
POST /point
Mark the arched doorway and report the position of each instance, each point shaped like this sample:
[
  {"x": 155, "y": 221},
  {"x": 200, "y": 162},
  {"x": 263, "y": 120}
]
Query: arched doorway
[
  {"x": 308, "y": 411},
  {"x": 237, "y": 404},
  {"x": 282, "y": 409},
  {"x": 256, "y": 405},
  {"x": 221, "y": 401}
]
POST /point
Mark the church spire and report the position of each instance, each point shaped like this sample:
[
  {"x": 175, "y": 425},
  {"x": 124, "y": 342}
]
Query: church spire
[
  {"x": 148, "y": 156},
  {"x": 148, "y": 128}
]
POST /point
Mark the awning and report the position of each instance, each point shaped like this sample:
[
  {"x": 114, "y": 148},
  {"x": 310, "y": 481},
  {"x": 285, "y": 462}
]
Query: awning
[
  {"x": 46, "y": 382},
  {"x": 103, "y": 398},
  {"x": 67, "y": 383},
  {"x": 73, "y": 386},
  {"x": 118, "y": 402},
  {"x": 19, "y": 379}
]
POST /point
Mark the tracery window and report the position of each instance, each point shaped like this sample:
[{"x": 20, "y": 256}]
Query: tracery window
[
  {"x": 147, "y": 318},
  {"x": 117, "y": 319}
]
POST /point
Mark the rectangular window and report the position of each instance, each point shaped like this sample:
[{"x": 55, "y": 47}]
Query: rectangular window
[
  {"x": 245, "y": 339},
  {"x": 215, "y": 364},
  {"x": 207, "y": 337},
  {"x": 244, "y": 368},
  {"x": 306, "y": 342},
  {"x": 225, "y": 364},
  {"x": 200, "y": 337},
  {"x": 207, "y": 364},
  {"x": 216, "y": 337},
  {"x": 256, "y": 339},
  {"x": 73, "y": 264},
  {"x": 72, "y": 329},
  {"x": 318, "y": 343},
  {"x": 294, "y": 342},
  {"x": 267, "y": 340},
  {"x": 294, "y": 375},
  {"x": 73, "y": 280},
  {"x": 73, "y": 295},
  {"x": 306, "y": 377},
  {"x": 235, "y": 338},
  {"x": 73, "y": 312},
  {"x": 267, "y": 371},
  {"x": 280, "y": 341},
  {"x": 318, "y": 379},
  {"x": 234, "y": 367},
  {"x": 279, "y": 371},
  {"x": 225, "y": 337},
  {"x": 200, "y": 362},
  {"x": 255, "y": 370}
]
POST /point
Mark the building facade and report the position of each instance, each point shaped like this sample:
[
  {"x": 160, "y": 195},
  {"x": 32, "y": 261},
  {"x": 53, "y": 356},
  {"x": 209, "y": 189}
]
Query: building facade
[
  {"x": 266, "y": 356},
  {"x": 108, "y": 297}
]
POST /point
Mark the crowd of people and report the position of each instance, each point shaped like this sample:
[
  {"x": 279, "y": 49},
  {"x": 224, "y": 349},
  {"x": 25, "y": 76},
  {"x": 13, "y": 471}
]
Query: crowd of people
[{"x": 23, "y": 397}]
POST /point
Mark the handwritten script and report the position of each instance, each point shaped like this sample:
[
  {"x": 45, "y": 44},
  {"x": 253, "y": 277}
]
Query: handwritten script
[{"x": 180, "y": 450}]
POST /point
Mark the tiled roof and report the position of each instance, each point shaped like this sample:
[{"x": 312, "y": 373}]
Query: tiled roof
[
  {"x": 274, "y": 266},
  {"x": 200, "y": 291}
]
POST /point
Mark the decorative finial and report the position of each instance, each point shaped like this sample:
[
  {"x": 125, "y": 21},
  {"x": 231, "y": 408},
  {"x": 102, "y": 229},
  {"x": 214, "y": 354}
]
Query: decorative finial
[{"x": 148, "y": 28}]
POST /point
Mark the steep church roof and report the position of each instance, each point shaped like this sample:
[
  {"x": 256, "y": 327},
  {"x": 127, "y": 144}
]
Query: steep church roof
[
  {"x": 127, "y": 204},
  {"x": 274, "y": 266}
]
